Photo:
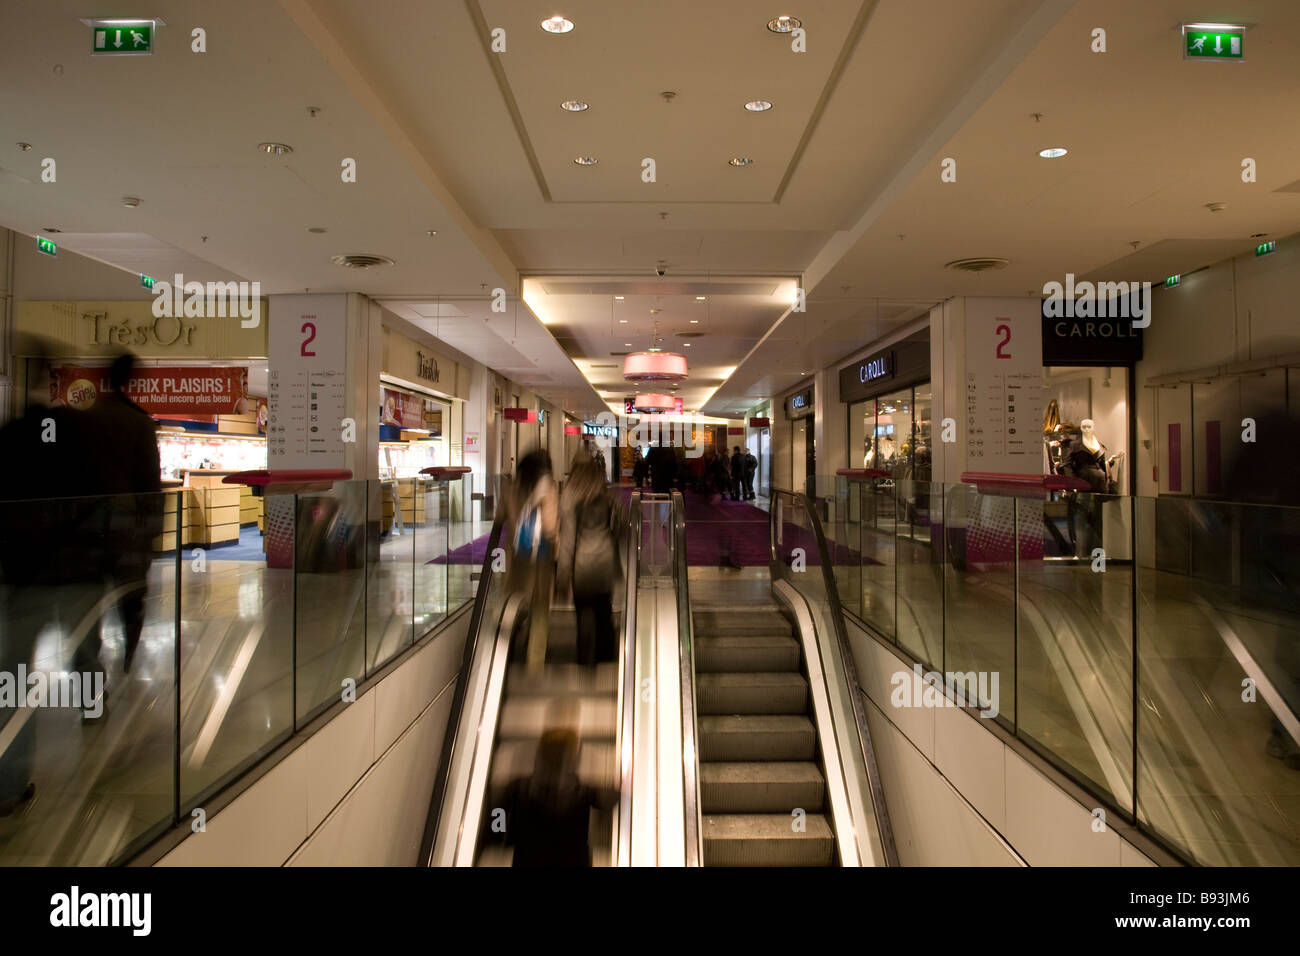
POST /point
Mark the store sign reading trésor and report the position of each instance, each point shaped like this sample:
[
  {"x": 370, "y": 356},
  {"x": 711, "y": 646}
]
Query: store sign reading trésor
[{"x": 160, "y": 390}]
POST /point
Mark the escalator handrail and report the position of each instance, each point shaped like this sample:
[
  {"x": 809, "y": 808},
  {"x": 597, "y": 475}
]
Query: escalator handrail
[
  {"x": 449, "y": 740},
  {"x": 622, "y": 855},
  {"x": 879, "y": 807},
  {"x": 686, "y": 639}
]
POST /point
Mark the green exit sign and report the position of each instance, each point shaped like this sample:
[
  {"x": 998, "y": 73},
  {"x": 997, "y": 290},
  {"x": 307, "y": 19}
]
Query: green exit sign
[
  {"x": 122, "y": 37},
  {"x": 1213, "y": 41},
  {"x": 1264, "y": 248},
  {"x": 1173, "y": 281},
  {"x": 46, "y": 246},
  {"x": 146, "y": 281}
]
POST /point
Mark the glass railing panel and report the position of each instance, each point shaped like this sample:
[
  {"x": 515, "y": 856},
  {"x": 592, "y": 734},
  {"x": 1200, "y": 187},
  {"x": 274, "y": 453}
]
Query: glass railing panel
[
  {"x": 466, "y": 540},
  {"x": 330, "y": 593},
  {"x": 236, "y": 641},
  {"x": 1218, "y": 758},
  {"x": 979, "y": 590},
  {"x": 395, "y": 511},
  {"x": 86, "y": 747},
  {"x": 431, "y": 599},
  {"x": 1075, "y": 630},
  {"x": 878, "y": 575},
  {"x": 842, "y": 526},
  {"x": 917, "y": 559}
]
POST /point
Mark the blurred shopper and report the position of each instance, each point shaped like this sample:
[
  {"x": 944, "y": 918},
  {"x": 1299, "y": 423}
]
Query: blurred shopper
[
  {"x": 125, "y": 466},
  {"x": 548, "y": 813},
  {"x": 588, "y": 561},
  {"x": 737, "y": 474},
  {"x": 532, "y": 515},
  {"x": 663, "y": 469},
  {"x": 750, "y": 466},
  {"x": 50, "y": 552},
  {"x": 640, "y": 466},
  {"x": 722, "y": 475}
]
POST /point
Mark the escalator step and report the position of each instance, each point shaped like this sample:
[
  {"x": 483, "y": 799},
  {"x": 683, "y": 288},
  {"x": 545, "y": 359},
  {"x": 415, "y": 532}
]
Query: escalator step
[
  {"x": 746, "y": 652},
  {"x": 745, "y": 621},
  {"x": 784, "y": 692},
  {"x": 767, "y": 839},
  {"x": 757, "y": 737},
  {"x": 761, "y": 787}
]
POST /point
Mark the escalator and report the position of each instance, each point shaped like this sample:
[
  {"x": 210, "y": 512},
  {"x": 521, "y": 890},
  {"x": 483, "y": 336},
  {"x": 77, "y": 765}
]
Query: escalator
[
  {"x": 501, "y": 711},
  {"x": 786, "y": 773}
]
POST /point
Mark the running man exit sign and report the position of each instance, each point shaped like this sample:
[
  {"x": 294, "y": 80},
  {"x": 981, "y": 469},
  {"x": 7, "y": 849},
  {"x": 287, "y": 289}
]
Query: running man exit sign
[
  {"x": 122, "y": 37},
  {"x": 1213, "y": 41}
]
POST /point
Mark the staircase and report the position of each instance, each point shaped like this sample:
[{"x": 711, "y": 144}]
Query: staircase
[
  {"x": 759, "y": 759},
  {"x": 564, "y": 693}
]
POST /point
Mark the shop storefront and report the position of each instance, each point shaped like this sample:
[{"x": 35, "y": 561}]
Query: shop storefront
[
  {"x": 759, "y": 441},
  {"x": 203, "y": 380},
  {"x": 421, "y": 407},
  {"x": 1088, "y": 428},
  {"x": 800, "y": 410},
  {"x": 889, "y": 414}
]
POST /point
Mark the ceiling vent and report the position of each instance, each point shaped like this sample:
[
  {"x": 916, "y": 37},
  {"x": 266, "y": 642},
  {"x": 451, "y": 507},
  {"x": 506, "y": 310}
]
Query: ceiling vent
[
  {"x": 689, "y": 335},
  {"x": 361, "y": 261},
  {"x": 605, "y": 366},
  {"x": 977, "y": 264},
  {"x": 620, "y": 353}
]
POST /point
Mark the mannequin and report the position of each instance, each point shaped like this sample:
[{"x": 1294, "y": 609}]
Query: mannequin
[{"x": 1086, "y": 458}]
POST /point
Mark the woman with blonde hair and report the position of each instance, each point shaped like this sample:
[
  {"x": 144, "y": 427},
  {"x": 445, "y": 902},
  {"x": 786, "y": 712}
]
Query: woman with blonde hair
[{"x": 531, "y": 518}]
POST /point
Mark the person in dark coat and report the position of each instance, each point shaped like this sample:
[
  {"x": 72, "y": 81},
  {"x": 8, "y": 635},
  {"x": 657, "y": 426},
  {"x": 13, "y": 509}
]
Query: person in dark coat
[
  {"x": 125, "y": 468},
  {"x": 51, "y": 553},
  {"x": 737, "y": 474},
  {"x": 751, "y": 467},
  {"x": 548, "y": 813},
  {"x": 663, "y": 470}
]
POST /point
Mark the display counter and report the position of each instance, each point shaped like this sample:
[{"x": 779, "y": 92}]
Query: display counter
[{"x": 212, "y": 512}]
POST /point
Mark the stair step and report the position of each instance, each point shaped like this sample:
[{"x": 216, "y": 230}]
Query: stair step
[
  {"x": 767, "y": 839},
  {"x": 761, "y": 787},
  {"x": 757, "y": 737},
  {"x": 747, "y": 621},
  {"x": 783, "y": 692},
  {"x": 746, "y": 652}
]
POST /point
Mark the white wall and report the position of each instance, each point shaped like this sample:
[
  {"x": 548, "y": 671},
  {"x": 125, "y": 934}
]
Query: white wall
[
  {"x": 1240, "y": 310},
  {"x": 355, "y": 793}
]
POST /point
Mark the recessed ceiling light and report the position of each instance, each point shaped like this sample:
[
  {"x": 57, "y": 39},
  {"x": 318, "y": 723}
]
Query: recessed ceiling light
[
  {"x": 130, "y": 202},
  {"x": 1053, "y": 152},
  {"x": 622, "y": 321},
  {"x": 627, "y": 344},
  {"x": 688, "y": 344},
  {"x": 275, "y": 149},
  {"x": 586, "y": 160},
  {"x": 574, "y": 106},
  {"x": 318, "y": 230},
  {"x": 618, "y": 298},
  {"x": 700, "y": 298},
  {"x": 784, "y": 24},
  {"x": 557, "y": 24},
  {"x": 695, "y": 321},
  {"x": 758, "y": 106},
  {"x": 741, "y": 161}
]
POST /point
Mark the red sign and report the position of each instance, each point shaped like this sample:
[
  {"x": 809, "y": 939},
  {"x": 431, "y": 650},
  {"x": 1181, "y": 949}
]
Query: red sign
[
  {"x": 520, "y": 415},
  {"x": 402, "y": 409},
  {"x": 760, "y": 423},
  {"x": 733, "y": 430},
  {"x": 186, "y": 392},
  {"x": 572, "y": 430}
]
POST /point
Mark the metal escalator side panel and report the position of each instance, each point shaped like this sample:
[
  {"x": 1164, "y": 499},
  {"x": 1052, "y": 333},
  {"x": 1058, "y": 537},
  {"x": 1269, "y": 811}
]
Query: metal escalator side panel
[
  {"x": 435, "y": 822},
  {"x": 622, "y": 850},
  {"x": 485, "y": 736},
  {"x": 686, "y": 663}
]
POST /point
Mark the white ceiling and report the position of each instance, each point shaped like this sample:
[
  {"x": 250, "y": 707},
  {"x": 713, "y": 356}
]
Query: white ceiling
[{"x": 844, "y": 192}]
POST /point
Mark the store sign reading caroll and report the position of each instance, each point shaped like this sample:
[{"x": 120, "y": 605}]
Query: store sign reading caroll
[
  {"x": 873, "y": 369},
  {"x": 195, "y": 300}
]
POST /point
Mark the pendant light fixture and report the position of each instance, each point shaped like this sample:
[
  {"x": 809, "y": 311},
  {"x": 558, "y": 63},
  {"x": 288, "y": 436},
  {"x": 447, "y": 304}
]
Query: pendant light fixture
[{"x": 654, "y": 364}]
